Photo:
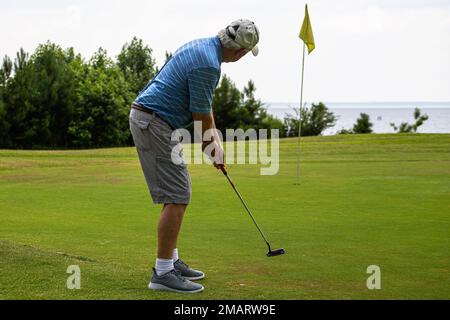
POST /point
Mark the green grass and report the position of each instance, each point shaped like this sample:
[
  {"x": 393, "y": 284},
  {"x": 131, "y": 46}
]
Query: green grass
[{"x": 363, "y": 200}]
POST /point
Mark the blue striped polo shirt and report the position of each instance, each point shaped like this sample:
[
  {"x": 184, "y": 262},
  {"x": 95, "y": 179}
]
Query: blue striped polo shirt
[{"x": 186, "y": 83}]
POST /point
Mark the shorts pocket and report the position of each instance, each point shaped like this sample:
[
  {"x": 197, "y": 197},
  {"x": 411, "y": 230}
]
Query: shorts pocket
[
  {"x": 139, "y": 125},
  {"x": 172, "y": 179},
  {"x": 141, "y": 119}
]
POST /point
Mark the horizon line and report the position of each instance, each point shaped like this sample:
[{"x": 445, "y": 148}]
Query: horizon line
[{"x": 359, "y": 102}]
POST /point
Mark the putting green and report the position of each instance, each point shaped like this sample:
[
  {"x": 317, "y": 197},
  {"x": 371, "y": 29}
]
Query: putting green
[{"x": 363, "y": 200}]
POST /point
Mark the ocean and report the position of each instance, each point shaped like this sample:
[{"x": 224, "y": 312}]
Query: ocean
[{"x": 382, "y": 114}]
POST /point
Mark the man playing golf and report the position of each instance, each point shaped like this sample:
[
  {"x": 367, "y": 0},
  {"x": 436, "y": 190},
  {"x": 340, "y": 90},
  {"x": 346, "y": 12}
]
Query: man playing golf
[{"x": 179, "y": 94}]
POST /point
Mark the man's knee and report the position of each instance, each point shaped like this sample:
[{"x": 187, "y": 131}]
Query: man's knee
[{"x": 175, "y": 208}]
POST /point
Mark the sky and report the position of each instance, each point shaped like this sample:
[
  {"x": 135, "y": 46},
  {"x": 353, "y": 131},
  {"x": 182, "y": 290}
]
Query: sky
[{"x": 366, "y": 50}]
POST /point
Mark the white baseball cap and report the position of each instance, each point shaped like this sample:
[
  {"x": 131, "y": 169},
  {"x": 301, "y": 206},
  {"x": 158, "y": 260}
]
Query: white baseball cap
[{"x": 245, "y": 33}]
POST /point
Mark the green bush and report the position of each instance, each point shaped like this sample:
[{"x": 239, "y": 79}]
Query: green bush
[
  {"x": 56, "y": 99},
  {"x": 314, "y": 121},
  {"x": 102, "y": 106},
  {"x": 363, "y": 124},
  {"x": 345, "y": 131},
  {"x": 234, "y": 109},
  {"x": 137, "y": 64},
  {"x": 405, "y": 127}
]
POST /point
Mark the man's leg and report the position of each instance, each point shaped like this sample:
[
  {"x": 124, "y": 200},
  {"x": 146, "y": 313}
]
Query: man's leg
[
  {"x": 169, "y": 228},
  {"x": 165, "y": 180},
  {"x": 165, "y": 276}
]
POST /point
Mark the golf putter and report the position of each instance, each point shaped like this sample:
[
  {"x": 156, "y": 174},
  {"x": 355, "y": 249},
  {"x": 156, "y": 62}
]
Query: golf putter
[{"x": 271, "y": 253}]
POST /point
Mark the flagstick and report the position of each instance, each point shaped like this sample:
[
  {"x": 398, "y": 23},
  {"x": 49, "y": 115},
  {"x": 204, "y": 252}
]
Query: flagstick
[{"x": 300, "y": 116}]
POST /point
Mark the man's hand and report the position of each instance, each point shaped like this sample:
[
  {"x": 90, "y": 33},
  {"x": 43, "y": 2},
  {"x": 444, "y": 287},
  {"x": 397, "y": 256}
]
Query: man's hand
[
  {"x": 218, "y": 156},
  {"x": 215, "y": 153}
]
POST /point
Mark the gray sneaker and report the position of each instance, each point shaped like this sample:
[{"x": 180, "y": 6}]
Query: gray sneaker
[
  {"x": 174, "y": 282},
  {"x": 187, "y": 272}
]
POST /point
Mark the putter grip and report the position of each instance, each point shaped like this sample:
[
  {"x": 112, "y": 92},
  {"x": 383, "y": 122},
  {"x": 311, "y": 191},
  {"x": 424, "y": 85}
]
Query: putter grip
[{"x": 222, "y": 168}]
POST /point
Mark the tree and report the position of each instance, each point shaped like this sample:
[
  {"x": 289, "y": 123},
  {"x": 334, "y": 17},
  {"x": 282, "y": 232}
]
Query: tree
[
  {"x": 137, "y": 64},
  {"x": 3, "y": 121},
  {"x": 363, "y": 125},
  {"x": 234, "y": 109},
  {"x": 226, "y": 103},
  {"x": 39, "y": 99},
  {"x": 405, "y": 127},
  {"x": 56, "y": 99},
  {"x": 8, "y": 87},
  {"x": 168, "y": 55},
  {"x": 20, "y": 93},
  {"x": 345, "y": 131},
  {"x": 252, "y": 110},
  {"x": 420, "y": 119},
  {"x": 255, "y": 113},
  {"x": 102, "y": 106},
  {"x": 314, "y": 121},
  {"x": 269, "y": 123},
  {"x": 21, "y": 60},
  {"x": 5, "y": 70},
  {"x": 5, "y": 73}
]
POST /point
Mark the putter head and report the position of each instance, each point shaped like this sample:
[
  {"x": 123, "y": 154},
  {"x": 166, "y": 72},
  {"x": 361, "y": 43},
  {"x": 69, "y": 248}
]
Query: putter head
[{"x": 274, "y": 253}]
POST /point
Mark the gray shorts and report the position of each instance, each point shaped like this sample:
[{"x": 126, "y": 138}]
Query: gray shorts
[{"x": 168, "y": 183}]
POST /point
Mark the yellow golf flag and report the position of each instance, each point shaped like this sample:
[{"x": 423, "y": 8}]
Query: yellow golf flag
[{"x": 306, "y": 34}]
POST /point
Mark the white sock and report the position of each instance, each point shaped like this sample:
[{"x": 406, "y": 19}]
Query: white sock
[
  {"x": 163, "y": 266},
  {"x": 175, "y": 255}
]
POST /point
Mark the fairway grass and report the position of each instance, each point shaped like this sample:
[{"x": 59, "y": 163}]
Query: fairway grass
[{"x": 363, "y": 200}]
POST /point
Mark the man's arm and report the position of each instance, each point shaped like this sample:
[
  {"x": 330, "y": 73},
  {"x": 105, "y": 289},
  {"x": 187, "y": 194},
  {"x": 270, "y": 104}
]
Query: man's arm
[
  {"x": 208, "y": 123},
  {"x": 202, "y": 83}
]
